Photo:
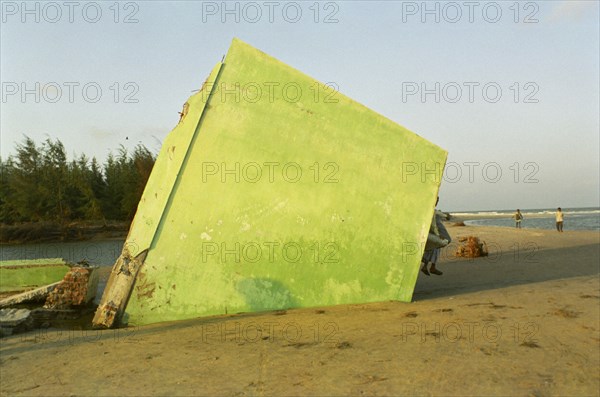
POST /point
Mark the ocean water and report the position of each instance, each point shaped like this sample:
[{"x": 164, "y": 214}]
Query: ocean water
[{"x": 543, "y": 218}]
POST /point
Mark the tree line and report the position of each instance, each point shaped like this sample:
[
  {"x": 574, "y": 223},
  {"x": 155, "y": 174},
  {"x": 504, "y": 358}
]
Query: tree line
[{"x": 38, "y": 184}]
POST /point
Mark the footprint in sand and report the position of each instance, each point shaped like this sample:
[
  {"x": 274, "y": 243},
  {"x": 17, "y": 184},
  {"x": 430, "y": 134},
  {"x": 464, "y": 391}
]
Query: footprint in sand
[
  {"x": 530, "y": 344},
  {"x": 567, "y": 313}
]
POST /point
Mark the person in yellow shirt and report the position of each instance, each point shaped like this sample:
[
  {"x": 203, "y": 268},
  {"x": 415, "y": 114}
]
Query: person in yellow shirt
[{"x": 559, "y": 220}]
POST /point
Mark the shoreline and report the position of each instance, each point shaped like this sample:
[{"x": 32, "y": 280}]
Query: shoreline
[
  {"x": 473, "y": 219},
  {"x": 49, "y": 232}
]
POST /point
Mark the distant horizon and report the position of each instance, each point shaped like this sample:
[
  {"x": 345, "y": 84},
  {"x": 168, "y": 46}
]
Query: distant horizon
[{"x": 522, "y": 209}]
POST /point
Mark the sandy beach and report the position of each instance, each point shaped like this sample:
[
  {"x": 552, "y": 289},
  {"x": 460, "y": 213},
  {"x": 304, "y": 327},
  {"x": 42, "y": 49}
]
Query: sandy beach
[{"x": 523, "y": 321}]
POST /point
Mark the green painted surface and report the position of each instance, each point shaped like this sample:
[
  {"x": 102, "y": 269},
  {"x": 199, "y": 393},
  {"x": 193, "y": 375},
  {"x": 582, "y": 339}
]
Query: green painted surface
[
  {"x": 16, "y": 275},
  {"x": 243, "y": 231},
  {"x": 166, "y": 171}
]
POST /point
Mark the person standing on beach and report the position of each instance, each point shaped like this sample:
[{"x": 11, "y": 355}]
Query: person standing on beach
[
  {"x": 518, "y": 218},
  {"x": 559, "y": 220}
]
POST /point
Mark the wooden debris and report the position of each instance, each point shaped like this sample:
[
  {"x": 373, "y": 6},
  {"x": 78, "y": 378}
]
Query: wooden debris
[{"x": 471, "y": 247}]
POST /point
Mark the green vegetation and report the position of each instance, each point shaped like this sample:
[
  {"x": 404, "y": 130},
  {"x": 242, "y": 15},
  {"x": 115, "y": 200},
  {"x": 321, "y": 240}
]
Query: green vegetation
[{"x": 38, "y": 184}]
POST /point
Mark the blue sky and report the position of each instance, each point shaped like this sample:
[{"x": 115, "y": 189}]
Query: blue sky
[{"x": 545, "y": 143}]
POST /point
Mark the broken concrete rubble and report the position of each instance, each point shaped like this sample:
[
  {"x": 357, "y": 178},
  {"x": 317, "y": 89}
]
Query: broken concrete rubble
[
  {"x": 15, "y": 320},
  {"x": 68, "y": 299},
  {"x": 77, "y": 288},
  {"x": 121, "y": 282},
  {"x": 34, "y": 295}
]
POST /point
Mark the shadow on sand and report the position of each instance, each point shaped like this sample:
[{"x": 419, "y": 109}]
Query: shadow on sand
[{"x": 487, "y": 273}]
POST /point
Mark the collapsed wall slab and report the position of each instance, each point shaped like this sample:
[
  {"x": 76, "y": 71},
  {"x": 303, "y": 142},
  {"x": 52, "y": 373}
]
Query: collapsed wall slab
[
  {"x": 274, "y": 191},
  {"x": 19, "y": 275}
]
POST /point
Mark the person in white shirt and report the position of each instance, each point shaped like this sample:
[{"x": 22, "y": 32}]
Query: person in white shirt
[{"x": 438, "y": 237}]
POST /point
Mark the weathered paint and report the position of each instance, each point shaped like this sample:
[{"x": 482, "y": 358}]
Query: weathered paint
[
  {"x": 166, "y": 170},
  {"x": 351, "y": 232},
  {"x": 152, "y": 204},
  {"x": 17, "y": 275}
]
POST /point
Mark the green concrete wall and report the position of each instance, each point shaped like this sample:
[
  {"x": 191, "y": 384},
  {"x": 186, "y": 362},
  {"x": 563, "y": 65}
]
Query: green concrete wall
[
  {"x": 17, "y": 275},
  {"x": 275, "y": 192}
]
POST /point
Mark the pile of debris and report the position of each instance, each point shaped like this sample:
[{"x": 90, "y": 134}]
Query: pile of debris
[
  {"x": 77, "y": 288},
  {"x": 471, "y": 247},
  {"x": 67, "y": 298}
]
